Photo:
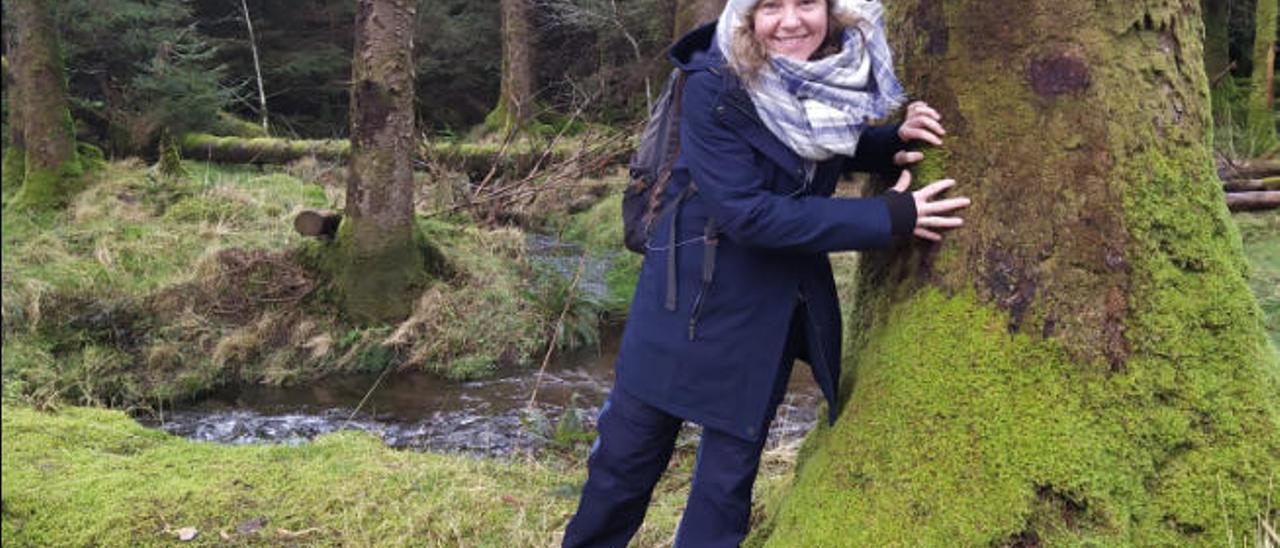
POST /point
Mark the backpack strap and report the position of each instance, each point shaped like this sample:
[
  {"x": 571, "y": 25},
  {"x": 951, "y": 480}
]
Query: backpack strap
[
  {"x": 670, "y": 303},
  {"x": 673, "y": 149},
  {"x": 710, "y": 239}
]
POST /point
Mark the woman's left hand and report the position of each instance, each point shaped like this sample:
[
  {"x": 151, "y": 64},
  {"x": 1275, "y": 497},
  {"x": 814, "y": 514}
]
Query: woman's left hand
[{"x": 922, "y": 124}]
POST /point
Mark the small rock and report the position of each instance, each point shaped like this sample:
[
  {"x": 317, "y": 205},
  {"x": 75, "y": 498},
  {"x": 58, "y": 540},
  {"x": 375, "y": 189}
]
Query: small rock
[
  {"x": 187, "y": 533},
  {"x": 251, "y": 525}
]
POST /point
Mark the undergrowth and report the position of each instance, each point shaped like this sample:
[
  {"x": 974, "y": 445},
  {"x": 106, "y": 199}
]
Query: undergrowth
[{"x": 152, "y": 288}]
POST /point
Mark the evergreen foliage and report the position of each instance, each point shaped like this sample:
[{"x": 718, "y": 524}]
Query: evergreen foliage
[{"x": 137, "y": 67}]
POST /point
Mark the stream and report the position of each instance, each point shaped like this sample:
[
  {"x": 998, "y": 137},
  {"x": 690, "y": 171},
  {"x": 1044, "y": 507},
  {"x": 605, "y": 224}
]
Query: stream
[{"x": 420, "y": 411}]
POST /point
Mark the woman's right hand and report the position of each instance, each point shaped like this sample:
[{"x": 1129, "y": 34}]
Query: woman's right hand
[{"x": 933, "y": 215}]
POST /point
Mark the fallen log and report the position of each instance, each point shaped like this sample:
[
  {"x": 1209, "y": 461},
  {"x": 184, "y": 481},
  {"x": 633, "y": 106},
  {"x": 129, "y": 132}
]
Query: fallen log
[
  {"x": 1246, "y": 185},
  {"x": 1253, "y": 201},
  {"x": 1250, "y": 169},
  {"x": 260, "y": 150},
  {"x": 474, "y": 159},
  {"x": 318, "y": 223}
]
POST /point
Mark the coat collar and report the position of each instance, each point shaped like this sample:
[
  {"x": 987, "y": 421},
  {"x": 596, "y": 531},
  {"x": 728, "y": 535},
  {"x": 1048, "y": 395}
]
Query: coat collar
[{"x": 696, "y": 51}]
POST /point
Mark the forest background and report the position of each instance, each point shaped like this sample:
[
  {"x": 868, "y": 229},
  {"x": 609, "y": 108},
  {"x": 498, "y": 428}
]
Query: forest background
[{"x": 172, "y": 267}]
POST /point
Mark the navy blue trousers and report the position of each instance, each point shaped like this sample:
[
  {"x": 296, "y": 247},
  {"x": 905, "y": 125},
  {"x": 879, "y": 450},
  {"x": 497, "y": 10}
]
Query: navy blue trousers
[{"x": 634, "y": 444}]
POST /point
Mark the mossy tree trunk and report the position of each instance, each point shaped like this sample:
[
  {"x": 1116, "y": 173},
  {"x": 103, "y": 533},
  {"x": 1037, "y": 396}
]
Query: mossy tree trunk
[
  {"x": 1217, "y": 36},
  {"x": 516, "y": 98},
  {"x": 691, "y": 13},
  {"x": 381, "y": 260},
  {"x": 1261, "y": 113},
  {"x": 51, "y": 169},
  {"x": 1083, "y": 363},
  {"x": 15, "y": 150}
]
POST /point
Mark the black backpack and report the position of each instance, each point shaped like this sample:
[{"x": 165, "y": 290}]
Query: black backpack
[
  {"x": 645, "y": 197},
  {"x": 650, "y": 166}
]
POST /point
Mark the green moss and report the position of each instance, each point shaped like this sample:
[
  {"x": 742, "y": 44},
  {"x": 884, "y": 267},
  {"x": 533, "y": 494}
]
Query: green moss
[
  {"x": 967, "y": 426},
  {"x": 230, "y": 125},
  {"x": 14, "y": 169},
  {"x": 211, "y": 208},
  {"x": 94, "y": 477},
  {"x": 932, "y": 168},
  {"x": 49, "y": 188},
  {"x": 376, "y": 279},
  {"x": 959, "y": 433},
  {"x": 88, "y": 476}
]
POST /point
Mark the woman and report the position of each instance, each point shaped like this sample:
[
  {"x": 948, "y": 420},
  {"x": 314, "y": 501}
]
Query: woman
[{"x": 774, "y": 109}]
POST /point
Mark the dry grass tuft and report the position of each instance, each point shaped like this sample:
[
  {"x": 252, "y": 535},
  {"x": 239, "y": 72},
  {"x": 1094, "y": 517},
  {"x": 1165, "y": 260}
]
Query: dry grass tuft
[{"x": 236, "y": 284}]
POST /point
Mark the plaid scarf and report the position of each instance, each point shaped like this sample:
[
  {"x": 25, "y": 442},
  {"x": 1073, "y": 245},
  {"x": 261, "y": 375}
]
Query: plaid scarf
[{"x": 819, "y": 108}]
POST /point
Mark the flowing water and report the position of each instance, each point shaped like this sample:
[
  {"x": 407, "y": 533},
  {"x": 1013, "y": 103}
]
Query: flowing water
[
  {"x": 422, "y": 412},
  {"x": 415, "y": 410}
]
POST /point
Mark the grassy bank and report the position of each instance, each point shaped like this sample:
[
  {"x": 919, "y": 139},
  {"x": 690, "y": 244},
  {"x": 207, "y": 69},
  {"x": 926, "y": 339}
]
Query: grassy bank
[
  {"x": 84, "y": 476},
  {"x": 148, "y": 290}
]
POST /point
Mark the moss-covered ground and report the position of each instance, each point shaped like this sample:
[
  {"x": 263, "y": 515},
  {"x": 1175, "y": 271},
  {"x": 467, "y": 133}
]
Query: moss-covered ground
[{"x": 92, "y": 477}]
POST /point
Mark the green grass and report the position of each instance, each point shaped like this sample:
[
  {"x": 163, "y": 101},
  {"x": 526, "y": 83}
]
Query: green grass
[
  {"x": 1261, "y": 235},
  {"x": 599, "y": 231},
  {"x": 146, "y": 290},
  {"x": 84, "y": 476}
]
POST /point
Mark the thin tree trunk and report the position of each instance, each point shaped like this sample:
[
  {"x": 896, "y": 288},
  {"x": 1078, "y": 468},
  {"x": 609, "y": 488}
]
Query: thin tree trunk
[
  {"x": 691, "y": 13},
  {"x": 15, "y": 150},
  {"x": 1217, "y": 39},
  {"x": 382, "y": 260},
  {"x": 1262, "y": 118},
  {"x": 1083, "y": 362},
  {"x": 515, "y": 102},
  {"x": 616, "y": 18},
  {"x": 52, "y": 169},
  {"x": 257, "y": 67}
]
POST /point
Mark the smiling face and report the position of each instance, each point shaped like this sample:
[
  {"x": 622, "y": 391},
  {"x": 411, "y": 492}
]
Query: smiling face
[{"x": 790, "y": 28}]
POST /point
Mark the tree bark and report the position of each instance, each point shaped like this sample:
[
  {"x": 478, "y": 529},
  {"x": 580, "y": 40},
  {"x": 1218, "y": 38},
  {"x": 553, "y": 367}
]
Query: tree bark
[
  {"x": 382, "y": 259},
  {"x": 1083, "y": 362},
  {"x": 1258, "y": 167},
  {"x": 1253, "y": 201},
  {"x": 691, "y": 13},
  {"x": 1248, "y": 185},
  {"x": 14, "y": 168},
  {"x": 515, "y": 101},
  {"x": 51, "y": 170},
  {"x": 1262, "y": 117},
  {"x": 1217, "y": 38}
]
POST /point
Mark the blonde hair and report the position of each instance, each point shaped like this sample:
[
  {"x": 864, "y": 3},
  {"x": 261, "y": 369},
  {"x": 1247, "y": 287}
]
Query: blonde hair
[{"x": 750, "y": 56}]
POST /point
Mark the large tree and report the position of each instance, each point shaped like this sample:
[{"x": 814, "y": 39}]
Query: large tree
[
  {"x": 381, "y": 260},
  {"x": 51, "y": 169},
  {"x": 1083, "y": 363}
]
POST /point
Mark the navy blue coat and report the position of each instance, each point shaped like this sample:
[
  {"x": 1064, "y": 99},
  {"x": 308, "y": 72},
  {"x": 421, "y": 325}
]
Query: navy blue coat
[{"x": 714, "y": 358}]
